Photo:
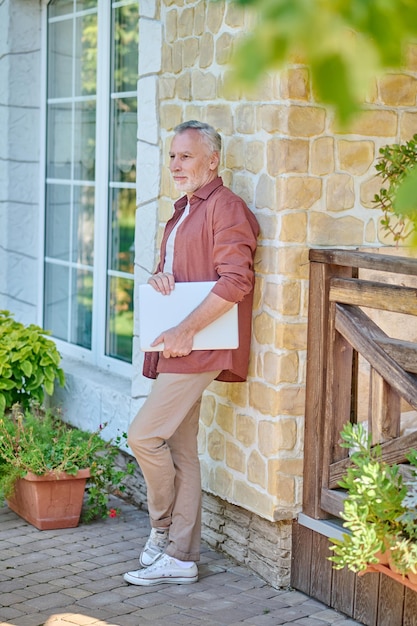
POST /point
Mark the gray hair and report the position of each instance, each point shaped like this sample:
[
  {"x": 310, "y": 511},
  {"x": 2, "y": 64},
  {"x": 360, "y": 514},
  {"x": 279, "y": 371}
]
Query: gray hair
[{"x": 211, "y": 136}]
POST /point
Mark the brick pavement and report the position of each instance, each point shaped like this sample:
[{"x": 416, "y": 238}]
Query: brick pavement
[{"x": 73, "y": 577}]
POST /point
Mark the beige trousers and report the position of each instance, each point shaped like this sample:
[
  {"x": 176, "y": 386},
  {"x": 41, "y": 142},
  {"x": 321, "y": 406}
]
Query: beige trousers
[{"x": 163, "y": 438}]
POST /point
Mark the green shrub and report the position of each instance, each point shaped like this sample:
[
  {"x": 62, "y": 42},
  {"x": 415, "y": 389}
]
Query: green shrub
[{"x": 29, "y": 363}]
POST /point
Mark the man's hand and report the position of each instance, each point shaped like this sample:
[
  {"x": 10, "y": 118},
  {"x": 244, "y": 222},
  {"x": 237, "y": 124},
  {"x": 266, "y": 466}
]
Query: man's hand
[
  {"x": 162, "y": 282},
  {"x": 177, "y": 342}
]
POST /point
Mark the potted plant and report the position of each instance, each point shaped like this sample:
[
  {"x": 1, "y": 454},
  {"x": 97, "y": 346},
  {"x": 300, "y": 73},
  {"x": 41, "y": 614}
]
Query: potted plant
[
  {"x": 380, "y": 510},
  {"x": 29, "y": 363},
  {"x": 45, "y": 463}
]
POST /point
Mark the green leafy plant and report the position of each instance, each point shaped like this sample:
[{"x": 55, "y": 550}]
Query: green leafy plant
[
  {"x": 29, "y": 363},
  {"x": 396, "y": 168},
  {"x": 38, "y": 441},
  {"x": 380, "y": 510}
]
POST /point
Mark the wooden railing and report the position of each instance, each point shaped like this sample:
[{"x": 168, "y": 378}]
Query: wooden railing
[{"x": 342, "y": 336}]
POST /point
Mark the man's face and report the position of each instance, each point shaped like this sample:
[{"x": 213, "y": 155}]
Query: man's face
[{"x": 192, "y": 164}]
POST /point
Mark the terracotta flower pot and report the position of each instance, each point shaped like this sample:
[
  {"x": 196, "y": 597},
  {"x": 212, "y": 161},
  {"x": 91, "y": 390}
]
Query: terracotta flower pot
[
  {"x": 50, "y": 501},
  {"x": 412, "y": 578}
]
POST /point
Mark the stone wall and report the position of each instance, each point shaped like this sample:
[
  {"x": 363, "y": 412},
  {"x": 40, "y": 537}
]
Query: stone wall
[
  {"x": 309, "y": 184},
  {"x": 19, "y": 156}
]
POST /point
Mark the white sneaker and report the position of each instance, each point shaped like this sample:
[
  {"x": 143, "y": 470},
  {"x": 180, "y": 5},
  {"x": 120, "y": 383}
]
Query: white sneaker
[
  {"x": 154, "y": 547},
  {"x": 164, "y": 570}
]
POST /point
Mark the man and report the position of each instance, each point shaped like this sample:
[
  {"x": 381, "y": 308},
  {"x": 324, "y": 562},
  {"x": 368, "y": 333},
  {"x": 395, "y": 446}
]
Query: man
[{"x": 211, "y": 237}]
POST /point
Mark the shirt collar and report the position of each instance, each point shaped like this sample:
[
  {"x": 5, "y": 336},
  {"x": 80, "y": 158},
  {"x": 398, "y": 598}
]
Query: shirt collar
[{"x": 203, "y": 193}]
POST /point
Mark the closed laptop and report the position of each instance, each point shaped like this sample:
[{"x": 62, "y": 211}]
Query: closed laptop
[{"x": 158, "y": 313}]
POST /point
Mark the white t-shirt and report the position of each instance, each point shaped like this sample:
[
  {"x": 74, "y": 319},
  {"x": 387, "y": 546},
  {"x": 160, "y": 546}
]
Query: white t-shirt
[{"x": 169, "y": 253}]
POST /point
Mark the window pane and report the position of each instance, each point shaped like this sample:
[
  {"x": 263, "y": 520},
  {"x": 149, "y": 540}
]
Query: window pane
[
  {"x": 60, "y": 59},
  {"x": 59, "y": 147},
  {"x": 124, "y": 142},
  {"x": 86, "y": 55},
  {"x": 120, "y": 319},
  {"x": 85, "y": 141},
  {"x": 122, "y": 234},
  {"x": 82, "y": 5},
  {"x": 60, "y": 7},
  {"x": 58, "y": 216},
  {"x": 81, "y": 308},
  {"x": 56, "y": 300},
  {"x": 126, "y": 38},
  {"x": 83, "y": 225}
]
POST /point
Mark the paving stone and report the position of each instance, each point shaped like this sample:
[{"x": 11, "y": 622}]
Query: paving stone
[{"x": 74, "y": 577}]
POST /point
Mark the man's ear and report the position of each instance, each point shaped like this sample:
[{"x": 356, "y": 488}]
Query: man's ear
[{"x": 214, "y": 160}]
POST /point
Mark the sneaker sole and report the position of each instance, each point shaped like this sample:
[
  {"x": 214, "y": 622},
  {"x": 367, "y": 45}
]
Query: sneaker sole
[{"x": 148, "y": 582}]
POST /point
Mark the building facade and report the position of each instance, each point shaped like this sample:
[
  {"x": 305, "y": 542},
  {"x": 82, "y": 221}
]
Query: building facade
[{"x": 90, "y": 93}]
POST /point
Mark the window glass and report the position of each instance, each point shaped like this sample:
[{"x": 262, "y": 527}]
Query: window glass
[
  {"x": 80, "y": 163},
  {"x": 120, "y": 318}
]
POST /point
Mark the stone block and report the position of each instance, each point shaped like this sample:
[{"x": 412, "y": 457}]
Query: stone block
[
  {"x": 221, "y": 118},
  {"x": 166, "y": 58},
  {"x": 171, "y": 26},
  {"x": 292, "y": 336},
  {"x": 246, "y": 430},
  {"x": 287, "y": 155},
  {"x": 268, "y": 225},
  {"x": 257, "y": 469},
  {"x": 214, "y": 18},
  {"x": 374, "y": 123},
  {"x": 368, "y": 189},
  {"x": 235, "y": 16},
  {"x": 306, "y": 121},
  {"x": 191, "y": 50},
  {"x": 170, "y": 115},
  {"x": 235, "y": 153},
  {"x": 283, "y": 488},
  {"x": 328, "y": 231},
  {"x": 203, "y": 85},
  {"x": 398, "y": 90},
  {"x": 216, "y": 445},
  {"x": 280, "y": 368},
  {"x": 225, "y": 418},
  {"x": 236, "y": 393},
  {"x": 243, "y": 187},
  {"x": 275, "y": 436},
  {"x": 264, "y": 328},
  {"x": 264, "y": 398},
  {"x": 254, "y": 156},
  {"x": 199, "y": 19},
  {"x": 224, "y": 48},
  {"x": 356, "y": 157},
  {"x": 235, "y": 458},
  {"x": 298, "y": 192},
  {"x": 408, "y": 125},
  {"x": 183, "y": 86},
  {"x": 208, "y": 408},
  {"x": 150, "y": 43},
  {"x": 295, "y": 84},
  {"x": 252, "y": 498},
  {"x": 206, "y": 50},
  {"x": 245, "y": 119},
  {"x": 265, "y": 193},
  {"x": 273, "y": 118},
  {"x": 340, "y": 193},
  {"x": 166, "y": 87},
  {"x": 294, "y": 227},
  {"x": 221, "y": 482},
  {"x": 186, "y": 22},
  {"x": 283, "y": 297},
  {"x": 290, "y": 466},
  {"x": 293, "y": 262},
  {"x": 177, "y": 56},
  {"x": 322, "y": 156}
]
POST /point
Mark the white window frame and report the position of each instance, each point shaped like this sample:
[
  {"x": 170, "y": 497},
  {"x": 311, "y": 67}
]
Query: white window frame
[{"x": 96, "y": 356}]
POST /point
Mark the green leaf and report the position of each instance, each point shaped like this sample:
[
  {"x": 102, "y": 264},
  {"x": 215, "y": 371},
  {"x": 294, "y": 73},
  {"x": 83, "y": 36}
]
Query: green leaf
[
  {"x": 405, "y": 202},
  {"x": 27, "y": 368}
]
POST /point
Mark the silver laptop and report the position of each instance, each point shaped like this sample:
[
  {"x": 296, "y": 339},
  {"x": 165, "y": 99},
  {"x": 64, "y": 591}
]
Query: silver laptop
[{"x": 158, "y": 313}]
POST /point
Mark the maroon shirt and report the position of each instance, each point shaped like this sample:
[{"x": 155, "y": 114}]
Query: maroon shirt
[{"x": 216, "y": 241}]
